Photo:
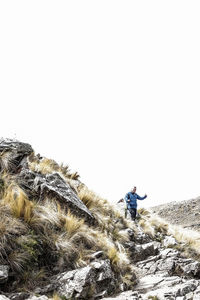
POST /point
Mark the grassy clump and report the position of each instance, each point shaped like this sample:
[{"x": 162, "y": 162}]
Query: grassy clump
[
  {"x": 18, "y": 201},
  {"x": 48, "y": 166}
]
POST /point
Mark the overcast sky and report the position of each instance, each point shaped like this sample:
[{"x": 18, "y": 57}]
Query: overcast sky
[{"x": 111, "y": 88}]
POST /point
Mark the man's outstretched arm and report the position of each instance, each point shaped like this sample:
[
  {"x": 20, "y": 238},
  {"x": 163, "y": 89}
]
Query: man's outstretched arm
[{"x": 141, "y": 198}]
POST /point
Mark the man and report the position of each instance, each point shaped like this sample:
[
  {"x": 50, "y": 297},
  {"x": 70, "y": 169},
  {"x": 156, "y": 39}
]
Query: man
[{"x": 131, "y": 201}]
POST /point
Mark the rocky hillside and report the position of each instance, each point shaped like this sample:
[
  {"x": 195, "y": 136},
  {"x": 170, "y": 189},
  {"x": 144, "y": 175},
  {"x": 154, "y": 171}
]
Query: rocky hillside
[
  {"x": 185, "y": 213},
  {"x": 59, "y": 240}
]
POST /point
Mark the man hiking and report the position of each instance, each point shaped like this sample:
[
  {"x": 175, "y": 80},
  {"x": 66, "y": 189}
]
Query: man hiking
[{"x": 131, "y": 201}]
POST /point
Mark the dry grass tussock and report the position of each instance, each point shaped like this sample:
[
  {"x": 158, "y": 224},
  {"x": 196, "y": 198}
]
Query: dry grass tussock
[
  {"x": 18, "y": 201},
  {"x": 189, "y": 240},
  {"x": 6, "y": 161},
  {"x": 17, "y": 243},
  {"x": 9, "y": 227},
  {"x": 48, "y": 166}
]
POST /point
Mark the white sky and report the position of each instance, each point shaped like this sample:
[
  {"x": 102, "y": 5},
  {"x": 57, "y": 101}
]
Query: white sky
[{"x": 110, "y": 87}]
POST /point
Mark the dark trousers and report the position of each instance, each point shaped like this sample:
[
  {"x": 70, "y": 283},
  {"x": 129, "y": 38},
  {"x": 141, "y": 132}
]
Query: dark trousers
[{"x": 133, "y": 212}]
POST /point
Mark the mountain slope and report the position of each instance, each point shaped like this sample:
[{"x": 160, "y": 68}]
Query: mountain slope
[
  {"x": 185, "y": 213},
  {"x": 59, "y": 240}
]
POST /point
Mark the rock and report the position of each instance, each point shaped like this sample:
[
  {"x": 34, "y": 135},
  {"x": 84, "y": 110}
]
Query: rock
[
  {"x": 128, "y": 295},
  {"x": 18, "y": 296},
  {"x": 159, "y": 282},
  {"x": 131, "y": 234},
  {"x": 169, "y": 253},
  {"x": 197, "y": 294},
  {"x": 175, "y": 289},
  {"x": 169, "y": 241},
  {"x": 3, "y": 273},
  {"x": 2, "y": 297},
  {"x": 33, "y": 297},
  {"x": 52, "y": 185},
  {"x": 13, "y": 155},
  {"x": 160, "y": 294},
  {"x": 192, "y": 269},
  {"x": 189, "y": 296},
  {"x": 141, "y": 237},
  {"x": 103, "y": 268},
  {"x": 166, "y": 265},
  {"x": 186, "y": 287},
  {"x": 187, "y": 268},
  {"x": 141, "y": 252},
  {"x": 96, "y": 278},
  {"x": 148, "y": 283},
  {"x": 169, "y": 296}
]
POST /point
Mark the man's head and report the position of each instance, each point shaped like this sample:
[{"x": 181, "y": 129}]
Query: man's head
[{"x": 133, "y": 190}]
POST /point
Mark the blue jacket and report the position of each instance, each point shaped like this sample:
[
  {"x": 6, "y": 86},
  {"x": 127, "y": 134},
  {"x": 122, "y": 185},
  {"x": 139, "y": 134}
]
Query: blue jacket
[{"x": 133, "y": 199}]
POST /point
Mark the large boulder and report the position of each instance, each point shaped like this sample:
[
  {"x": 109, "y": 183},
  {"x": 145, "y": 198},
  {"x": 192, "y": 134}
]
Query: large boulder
[
  {"x": 95, "y": 279},
  {"x": 85, "y": 282},
  {"x": 52, "y": 185},
  {"x": 13, "y": 155}
]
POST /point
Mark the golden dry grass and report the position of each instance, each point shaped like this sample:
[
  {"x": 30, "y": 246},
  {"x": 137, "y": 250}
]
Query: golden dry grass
[
  {"x": 72, "y": 224},
  {"x": 18, "y": 201},
  {"x": 56, "y": 296},
  {"x": 43, "y": 166},
  {"x": 6, "y": 160},
  {"x": 113, "y": 255},
  {"x": 48, "y": 166}
]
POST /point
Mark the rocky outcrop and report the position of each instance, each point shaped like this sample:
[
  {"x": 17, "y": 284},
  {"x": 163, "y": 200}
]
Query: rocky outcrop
[
  {"x": 13, "y": 155},
  {"x": 83, "y": 283},
  {"x": 53, "y": 186},
  {"x": 13, "y": 159}
]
